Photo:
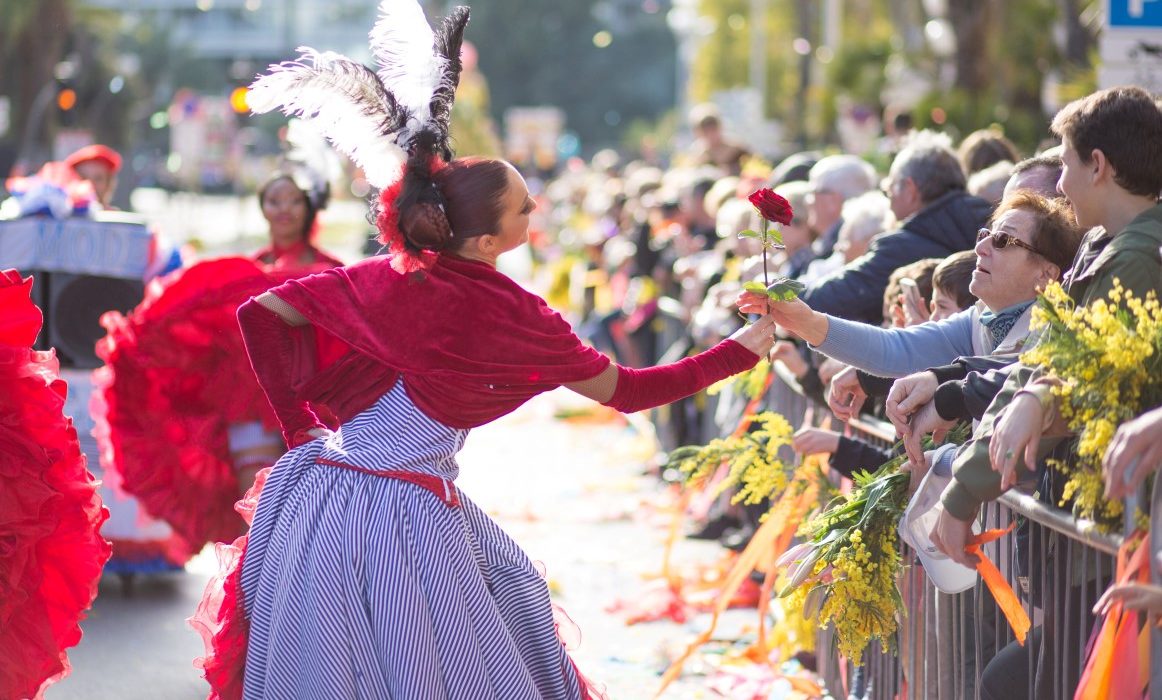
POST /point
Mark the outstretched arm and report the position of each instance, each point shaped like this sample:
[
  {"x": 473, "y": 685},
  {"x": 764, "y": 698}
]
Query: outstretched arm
[
  {"x": 270, "y": 328},
  {"x": 629, "y": 390}
]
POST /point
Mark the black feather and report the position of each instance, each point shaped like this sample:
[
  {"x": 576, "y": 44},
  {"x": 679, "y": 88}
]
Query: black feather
[{"x": 448, "y": 38}]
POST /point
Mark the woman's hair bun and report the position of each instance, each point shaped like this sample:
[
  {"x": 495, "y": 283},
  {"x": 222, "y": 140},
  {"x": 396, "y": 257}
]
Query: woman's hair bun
[{"x": 426, "y": 226}]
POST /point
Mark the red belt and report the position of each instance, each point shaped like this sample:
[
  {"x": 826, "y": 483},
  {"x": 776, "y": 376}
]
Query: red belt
[{"x": 442, "y": 488}]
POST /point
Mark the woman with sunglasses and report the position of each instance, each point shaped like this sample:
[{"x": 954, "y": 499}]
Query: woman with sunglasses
[{"x": 1031, "y": 240}]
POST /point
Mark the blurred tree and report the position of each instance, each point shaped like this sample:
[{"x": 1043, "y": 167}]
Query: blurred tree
[
  {"x": 1081, "y": 19},
  {"x": 604, "y": 62},
  {"x": 1003, "y": 55},
  {"x": 473, "y": 131},
  {"x": 976, "y": 28},
  {"x": 33, "y": 36},
  {"x": 723, "y": 60}
]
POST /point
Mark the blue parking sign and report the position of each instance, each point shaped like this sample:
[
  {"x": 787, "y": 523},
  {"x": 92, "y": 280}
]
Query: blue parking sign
[{"x": 1135, "y": 13}]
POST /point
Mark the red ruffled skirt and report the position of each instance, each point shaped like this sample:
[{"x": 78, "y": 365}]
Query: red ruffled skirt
[
  {"x": 50, "y": 515},
  {"x": 176, "y": 378},
  {"x": 219, "y": 618}
]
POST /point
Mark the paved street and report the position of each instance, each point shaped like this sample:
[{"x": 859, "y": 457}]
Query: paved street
[{"x": 570, "y": 493}]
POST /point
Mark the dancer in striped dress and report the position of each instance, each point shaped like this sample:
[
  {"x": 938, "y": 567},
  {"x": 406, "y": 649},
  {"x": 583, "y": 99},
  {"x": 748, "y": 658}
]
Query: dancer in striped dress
[{"x": 366, "y": 572}]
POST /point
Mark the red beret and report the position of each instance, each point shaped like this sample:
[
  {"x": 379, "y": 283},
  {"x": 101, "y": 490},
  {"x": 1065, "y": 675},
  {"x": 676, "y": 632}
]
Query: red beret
[{"x": 95, "y": 152}]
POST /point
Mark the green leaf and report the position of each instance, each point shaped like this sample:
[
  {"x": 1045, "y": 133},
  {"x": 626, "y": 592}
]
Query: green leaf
[
  {"x": 757, "y": 287},
  {"x": 777, "y": 236},
  {"x": 749, "y": 234},
  {"x": 785, "y": 289}
]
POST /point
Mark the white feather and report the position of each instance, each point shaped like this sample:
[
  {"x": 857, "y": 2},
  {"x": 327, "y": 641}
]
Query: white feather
[
  {"x": 404, "y": 45},
  {"x": 334, "y": 93}
]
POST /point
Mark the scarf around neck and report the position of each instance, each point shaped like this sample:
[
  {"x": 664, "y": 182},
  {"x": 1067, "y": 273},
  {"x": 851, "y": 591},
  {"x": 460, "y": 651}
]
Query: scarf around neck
[{"x": 1000, "y": 323}]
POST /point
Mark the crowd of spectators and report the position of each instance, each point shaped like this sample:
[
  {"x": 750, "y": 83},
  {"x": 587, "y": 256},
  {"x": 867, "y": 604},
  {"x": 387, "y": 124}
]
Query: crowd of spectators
[{"x": 920, "y": 283}]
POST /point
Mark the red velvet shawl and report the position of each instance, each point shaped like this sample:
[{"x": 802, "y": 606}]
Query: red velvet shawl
[{"x": 470, "y": 343}]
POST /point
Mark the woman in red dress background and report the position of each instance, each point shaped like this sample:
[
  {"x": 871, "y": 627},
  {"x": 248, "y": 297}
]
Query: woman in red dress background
[{"x": 182, "y": 423}]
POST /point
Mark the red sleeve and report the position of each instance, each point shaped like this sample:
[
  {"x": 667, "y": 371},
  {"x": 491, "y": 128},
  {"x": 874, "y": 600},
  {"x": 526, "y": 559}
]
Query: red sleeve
[
  {"x": 276, "y": 355},
  {"x": 639, "y": 389}
]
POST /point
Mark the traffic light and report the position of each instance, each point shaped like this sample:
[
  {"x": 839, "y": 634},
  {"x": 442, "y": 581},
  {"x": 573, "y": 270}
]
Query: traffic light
[
  {"x": 66, "y": 102},
  {"x": 66, "y": 99}
]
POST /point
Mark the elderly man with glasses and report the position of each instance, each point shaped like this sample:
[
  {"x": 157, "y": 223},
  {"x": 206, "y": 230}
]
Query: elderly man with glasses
[{"x": 926, "y": 187}]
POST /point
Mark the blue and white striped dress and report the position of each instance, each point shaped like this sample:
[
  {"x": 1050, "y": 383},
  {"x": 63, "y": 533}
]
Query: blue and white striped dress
[{"x": 359, "y": 586}]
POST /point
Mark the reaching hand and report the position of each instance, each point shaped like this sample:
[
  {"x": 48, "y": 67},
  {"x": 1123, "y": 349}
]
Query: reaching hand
[
  {"x": 1017, "y": 434},
  {"x": 810, "y": 441},
  {"x": 757, "y": 337},
  {"x": 915, "y": 309},
  {"x": 1137, "y": 596},
  {"x": 1134, "y": 453},
  {"x": 785, "y": 351},
  {"x": 788, "y": 314},
  {"x": 907, "y": 395},
  {"x": 846, "y": 396},
  {"x": 830, "y": 368}
]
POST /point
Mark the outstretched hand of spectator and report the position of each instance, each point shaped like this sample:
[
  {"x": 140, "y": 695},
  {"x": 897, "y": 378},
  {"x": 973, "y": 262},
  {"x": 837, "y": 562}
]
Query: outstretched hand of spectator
[
  {"x": 788, "y": 314},
  {"x": 846, "y": 396},
  {"x": 1137, "y": 596},
  {"x": 830, "y": 368},
  {"x": 810, "y": 441},
  {"x": 908, "y": 395},
  {"x": 1134, "y": 453},
  {"x": 785, "y": 351}
]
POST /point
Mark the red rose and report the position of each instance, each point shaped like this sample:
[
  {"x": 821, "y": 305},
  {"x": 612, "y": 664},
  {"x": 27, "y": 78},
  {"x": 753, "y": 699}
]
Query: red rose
[{"x": 771, "y": 206}]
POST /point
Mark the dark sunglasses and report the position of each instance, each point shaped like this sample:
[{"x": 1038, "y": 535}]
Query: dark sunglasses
[{"x": 1001, "y": 240}]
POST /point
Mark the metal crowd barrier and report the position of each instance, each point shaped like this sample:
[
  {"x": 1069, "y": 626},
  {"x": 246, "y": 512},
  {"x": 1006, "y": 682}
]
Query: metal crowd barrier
[{"x": 957, "y": 647}]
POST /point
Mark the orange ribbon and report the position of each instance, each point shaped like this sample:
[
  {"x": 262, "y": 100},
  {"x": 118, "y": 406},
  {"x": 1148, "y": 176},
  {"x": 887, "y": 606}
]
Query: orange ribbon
[
  {"x": 1118, "y": 637},
  {"x": 687, "y": 495},
  {"x": 1001, "y": 590},
  {"x": 772, "y": 538}
]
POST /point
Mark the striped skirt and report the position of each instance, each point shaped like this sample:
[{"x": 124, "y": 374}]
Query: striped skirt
[{"x": 358, "y": 585}]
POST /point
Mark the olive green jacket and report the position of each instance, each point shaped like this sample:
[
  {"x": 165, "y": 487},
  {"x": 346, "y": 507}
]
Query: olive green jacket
[{"x": 1131, "y": 257}]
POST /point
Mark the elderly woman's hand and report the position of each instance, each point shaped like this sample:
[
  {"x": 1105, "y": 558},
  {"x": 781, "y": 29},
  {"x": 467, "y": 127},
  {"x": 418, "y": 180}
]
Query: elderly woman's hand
[{"x": 794, "y": 315}]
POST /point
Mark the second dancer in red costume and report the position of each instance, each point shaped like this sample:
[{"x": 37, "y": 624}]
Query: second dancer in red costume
[{"x": 182, "y": 423}]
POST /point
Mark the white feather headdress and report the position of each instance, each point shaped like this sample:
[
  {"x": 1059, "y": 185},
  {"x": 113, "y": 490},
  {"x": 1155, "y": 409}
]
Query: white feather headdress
[{"x": 377, "y": 118}]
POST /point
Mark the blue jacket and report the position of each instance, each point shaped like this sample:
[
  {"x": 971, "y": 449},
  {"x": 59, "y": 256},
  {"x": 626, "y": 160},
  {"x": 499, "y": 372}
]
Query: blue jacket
[{"x": 946, "y": 226}]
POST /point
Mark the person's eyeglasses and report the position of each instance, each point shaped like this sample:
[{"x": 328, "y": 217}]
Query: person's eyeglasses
[{"x": 1002, "y": 240}]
